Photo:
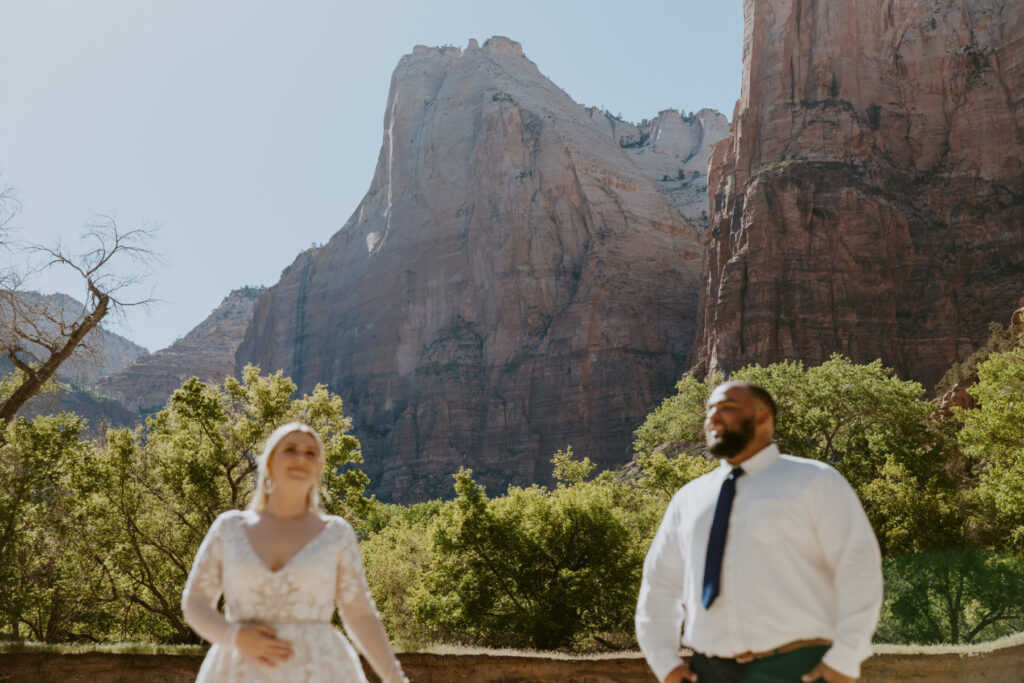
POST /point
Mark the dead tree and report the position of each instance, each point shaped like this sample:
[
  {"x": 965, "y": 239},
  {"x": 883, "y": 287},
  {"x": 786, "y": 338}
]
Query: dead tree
[{"x": 37, "y": 336}]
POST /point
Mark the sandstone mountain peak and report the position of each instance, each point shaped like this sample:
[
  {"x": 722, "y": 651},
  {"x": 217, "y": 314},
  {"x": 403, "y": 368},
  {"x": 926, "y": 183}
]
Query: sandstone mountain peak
[
  {"x": 515, "y": 280},
  {"x": 503, "y": 44}
]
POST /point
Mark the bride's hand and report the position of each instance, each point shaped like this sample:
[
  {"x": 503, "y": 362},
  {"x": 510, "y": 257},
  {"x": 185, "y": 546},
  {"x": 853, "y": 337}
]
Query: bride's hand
[{"x": 261, "y": 644}]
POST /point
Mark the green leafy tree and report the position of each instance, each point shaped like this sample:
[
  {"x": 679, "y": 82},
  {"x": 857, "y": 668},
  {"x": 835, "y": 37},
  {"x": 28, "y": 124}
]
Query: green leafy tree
[
  {"x": 678, "y": 423},
  {"x": 158, "y": 489},
  {"x": 1001, "y": 339},
  {"x": 952, "y": 596},
  {"x": 852, "y": 416},
  {"x": 397, "y": 555},
  {"x": 993, "y": 436},
  {"x": 664, "y": 475},
  {"x": 535, "y": 567},
  {"x": 669, "y": 445},
  {"x": 879, "y": 431},
  {"x": 911, "y": 515},
  {"x": 49, "y": 590},
  {"x": 568, "y": 471}
]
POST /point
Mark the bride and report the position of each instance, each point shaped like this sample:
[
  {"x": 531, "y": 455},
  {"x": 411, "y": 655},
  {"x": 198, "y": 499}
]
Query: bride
[{"x": 281, "y": 566}]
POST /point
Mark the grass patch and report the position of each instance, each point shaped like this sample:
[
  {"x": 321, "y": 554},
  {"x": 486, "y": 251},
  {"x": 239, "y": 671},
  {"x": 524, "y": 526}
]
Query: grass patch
[
  {"x": 461, "y": 650},
  {"x": 31, "y": 647},
  {"x": 977, "y": 648}
]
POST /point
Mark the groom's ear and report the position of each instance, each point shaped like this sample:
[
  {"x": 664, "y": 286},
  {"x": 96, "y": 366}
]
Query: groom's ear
[{"x": 763, "y": 418}]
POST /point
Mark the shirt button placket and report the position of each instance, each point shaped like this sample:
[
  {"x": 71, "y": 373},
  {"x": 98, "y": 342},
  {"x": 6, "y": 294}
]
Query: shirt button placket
[{"x": 730, "y": 587}]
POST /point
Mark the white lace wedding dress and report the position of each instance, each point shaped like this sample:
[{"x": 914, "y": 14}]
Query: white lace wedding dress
[{"x": 298, "y": 600}]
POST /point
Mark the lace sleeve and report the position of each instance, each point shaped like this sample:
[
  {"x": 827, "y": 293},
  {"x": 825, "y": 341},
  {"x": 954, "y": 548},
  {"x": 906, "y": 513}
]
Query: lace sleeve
[
  {"x": 203, "y": 589},
  {"x": 359, "y": 614}
]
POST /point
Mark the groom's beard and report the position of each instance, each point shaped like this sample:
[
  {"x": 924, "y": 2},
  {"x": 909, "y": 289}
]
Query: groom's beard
[{"x": 733, "y": 441}]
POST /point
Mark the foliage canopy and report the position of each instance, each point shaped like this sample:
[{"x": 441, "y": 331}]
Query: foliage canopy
[
  {"x": 131, "y": 513},
  {"x": 547, "y": 568}
]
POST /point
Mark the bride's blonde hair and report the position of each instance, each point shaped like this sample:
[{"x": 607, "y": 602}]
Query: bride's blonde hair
[{"x": 260, "y": 496}]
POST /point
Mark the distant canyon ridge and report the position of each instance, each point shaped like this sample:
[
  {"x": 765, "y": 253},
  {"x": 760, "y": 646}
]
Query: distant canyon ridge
[{"x": 527, "y": 273}]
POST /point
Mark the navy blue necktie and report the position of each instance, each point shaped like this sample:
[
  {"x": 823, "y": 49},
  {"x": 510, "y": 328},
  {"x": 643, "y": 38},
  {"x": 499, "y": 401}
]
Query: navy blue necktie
[{"x": 716, "y": 543}]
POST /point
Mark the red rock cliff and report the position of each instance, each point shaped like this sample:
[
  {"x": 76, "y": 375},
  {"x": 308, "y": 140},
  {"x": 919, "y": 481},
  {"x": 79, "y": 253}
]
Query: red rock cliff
[
  {"x": 870, "y": 197},
  {"x": 512, "y": 282}
]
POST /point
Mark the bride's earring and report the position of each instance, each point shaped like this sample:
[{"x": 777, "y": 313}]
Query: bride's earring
[{"x": 268, "y": 485}]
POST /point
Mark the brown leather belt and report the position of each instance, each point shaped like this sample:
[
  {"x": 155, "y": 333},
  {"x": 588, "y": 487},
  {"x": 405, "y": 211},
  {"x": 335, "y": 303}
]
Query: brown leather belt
[{"x": 748, "y": 656}]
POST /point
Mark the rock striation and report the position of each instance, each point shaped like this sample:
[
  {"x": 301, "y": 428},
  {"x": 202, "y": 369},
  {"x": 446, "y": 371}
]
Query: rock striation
[
  {"x": 870, "y": 196},
  {"x": 206, "y": 352},
  {"x": 512, "y": 282}
]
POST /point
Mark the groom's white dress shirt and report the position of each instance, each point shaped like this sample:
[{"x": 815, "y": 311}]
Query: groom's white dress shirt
[{"x": 801, "y": 561}]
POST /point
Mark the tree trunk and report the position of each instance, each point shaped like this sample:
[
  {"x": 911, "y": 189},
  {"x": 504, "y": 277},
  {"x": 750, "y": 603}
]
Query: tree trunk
[{"x": 35, "y": 378}]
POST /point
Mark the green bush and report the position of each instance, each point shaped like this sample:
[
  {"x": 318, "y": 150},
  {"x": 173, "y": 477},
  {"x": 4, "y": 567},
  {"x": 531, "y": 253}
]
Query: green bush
[
  {"x": 397, "y": 555},
  {"x": 537, "y": 568}
]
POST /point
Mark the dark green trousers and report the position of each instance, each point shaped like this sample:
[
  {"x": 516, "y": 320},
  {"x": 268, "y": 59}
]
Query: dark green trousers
[{"x": 787, "y": 667}]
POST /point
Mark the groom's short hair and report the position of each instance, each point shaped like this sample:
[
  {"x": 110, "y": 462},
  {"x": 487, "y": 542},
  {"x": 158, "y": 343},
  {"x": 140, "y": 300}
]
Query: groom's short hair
[{"x": 760, "y": 394}]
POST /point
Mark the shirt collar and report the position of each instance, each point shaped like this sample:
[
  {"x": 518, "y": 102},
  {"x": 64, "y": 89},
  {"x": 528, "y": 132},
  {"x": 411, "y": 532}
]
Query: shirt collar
[{"x": 758, "y": 462}]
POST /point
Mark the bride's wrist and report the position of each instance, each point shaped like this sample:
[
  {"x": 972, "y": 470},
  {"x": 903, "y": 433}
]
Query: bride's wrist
[{"x": 231, "y": 637}]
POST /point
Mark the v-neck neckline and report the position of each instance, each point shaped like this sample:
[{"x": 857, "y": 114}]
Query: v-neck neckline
[{"x": 287, "y": 563}]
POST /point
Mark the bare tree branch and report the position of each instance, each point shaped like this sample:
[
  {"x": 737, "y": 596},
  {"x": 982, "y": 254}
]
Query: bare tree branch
[
  {"x": 38, "y": 335},
  {"x": 10, "y": 206}
]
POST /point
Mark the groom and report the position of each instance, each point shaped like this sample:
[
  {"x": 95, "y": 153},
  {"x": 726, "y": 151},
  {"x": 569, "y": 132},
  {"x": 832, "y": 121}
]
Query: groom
[{"x": 769, "y": 560}]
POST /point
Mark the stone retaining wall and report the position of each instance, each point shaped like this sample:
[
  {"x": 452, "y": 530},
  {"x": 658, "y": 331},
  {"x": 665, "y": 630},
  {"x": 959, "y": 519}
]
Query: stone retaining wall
[{"x": 1005, "y": 665}]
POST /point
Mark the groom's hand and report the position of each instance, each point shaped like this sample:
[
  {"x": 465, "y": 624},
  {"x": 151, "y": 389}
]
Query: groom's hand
[
  {"x": 826, "y": 672},
  {"x": 681, "y": 673}
]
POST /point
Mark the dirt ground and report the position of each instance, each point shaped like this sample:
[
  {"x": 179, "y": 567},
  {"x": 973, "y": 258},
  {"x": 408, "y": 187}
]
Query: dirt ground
[{"x": 1004, "y": 665}]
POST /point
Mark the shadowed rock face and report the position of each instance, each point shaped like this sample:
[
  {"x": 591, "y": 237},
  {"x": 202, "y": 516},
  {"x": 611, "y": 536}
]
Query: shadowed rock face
[
  {"x": 870, "y": 197},
  {"x": 511, "y": 283}
]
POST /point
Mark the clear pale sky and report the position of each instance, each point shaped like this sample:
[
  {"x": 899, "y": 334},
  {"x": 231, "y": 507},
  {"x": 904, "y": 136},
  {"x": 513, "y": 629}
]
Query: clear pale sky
[{"x": 248, "y": 130}]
